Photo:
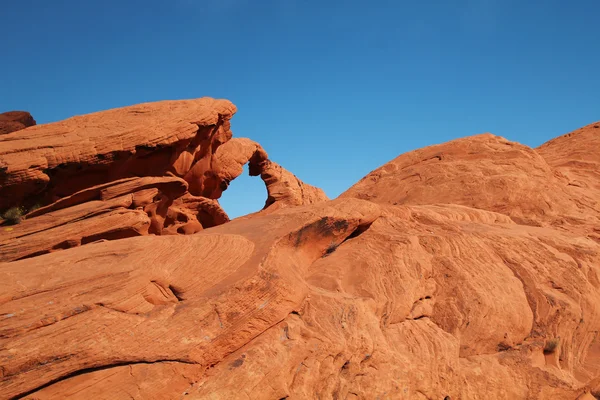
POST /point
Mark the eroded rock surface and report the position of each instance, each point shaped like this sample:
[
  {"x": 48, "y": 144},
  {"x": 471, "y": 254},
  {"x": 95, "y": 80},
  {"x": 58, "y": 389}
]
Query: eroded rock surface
[
  {"x": 46, "y": 162},
  {"x": 576, "y": 156},
  {"x": 116, "y": 210},
  {"x": 12, "y": 121},
  {"x": 486, "y": 172},
  {"x": 156, "y": 168},
  {"x": 466, "y": 270}
]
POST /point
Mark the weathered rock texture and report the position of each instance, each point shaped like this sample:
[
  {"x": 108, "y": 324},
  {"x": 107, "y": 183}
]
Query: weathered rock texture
[
  {"x": 12, "y": 121},
  {"x": 576, "y": 157},
  {"x": 156, "y": 168},
  {"x": 116, "y": 210},
  {"x": 466, "y": 270},
  {"x": 486, "y": 172},
  {"x": 44, "y": 163}
]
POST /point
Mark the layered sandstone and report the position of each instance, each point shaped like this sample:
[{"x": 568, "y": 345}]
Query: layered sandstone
[
  {"x": 465, "y": 270},
  {"x": 155, "y": 168},
  {"x": 485, "y": 172},
  {"x": 576, "y": 156}
]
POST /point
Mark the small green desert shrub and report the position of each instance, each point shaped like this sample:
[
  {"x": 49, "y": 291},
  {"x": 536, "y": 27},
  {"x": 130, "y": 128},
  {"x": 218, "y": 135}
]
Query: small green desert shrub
[
  {"x": 13, "y": 215},
  {"x": 551, "y": 346}
]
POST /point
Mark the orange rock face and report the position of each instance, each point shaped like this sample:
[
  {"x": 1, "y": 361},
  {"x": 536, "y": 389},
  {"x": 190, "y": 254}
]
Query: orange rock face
[
  {"x": 466, "y": 270},
  {"x": 156, "y": 168},
  {"x": 44, "y": 163},
  {"x": 12, "y": 121},
  {"x": 485, "y": 172},
  {"x": 576, "y": 156}
]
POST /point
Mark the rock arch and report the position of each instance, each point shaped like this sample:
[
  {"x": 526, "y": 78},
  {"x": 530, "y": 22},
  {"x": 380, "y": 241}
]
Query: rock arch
[{"x": 155, "y": 168}]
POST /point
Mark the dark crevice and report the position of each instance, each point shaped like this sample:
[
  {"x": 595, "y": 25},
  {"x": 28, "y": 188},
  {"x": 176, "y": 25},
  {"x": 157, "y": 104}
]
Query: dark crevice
[
  {"x": 176, "y": 292},
  {"x": 359, "y": 231},
  {"x": 346, "y": 365},
  {"x": 111, "y": 235},
  {"x": 356, "y": 233},
  {"x": 90, "y": 370},
  {"x": 503, "y": 347},
  {"x": 35, "y": 254}
]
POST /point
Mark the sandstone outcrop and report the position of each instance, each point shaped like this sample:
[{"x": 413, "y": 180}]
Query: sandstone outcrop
[
  {"x": 465, "y": 270},
  {"x": 576, "y": 157},
  {"x": 12, "y": 121},
  {"x": 283, "y": 188},
  {"x": 486, "y": 172},
  {"x": 156, "y": 168},
  {"x": 47, "y": 162},
  {"x": 44, "y": 163},
  {"x": 115, "y": 210}
]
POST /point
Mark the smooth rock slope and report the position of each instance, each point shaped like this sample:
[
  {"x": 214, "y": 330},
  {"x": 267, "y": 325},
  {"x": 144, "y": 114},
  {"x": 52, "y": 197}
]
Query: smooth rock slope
[{"x": 465, "y": 270}]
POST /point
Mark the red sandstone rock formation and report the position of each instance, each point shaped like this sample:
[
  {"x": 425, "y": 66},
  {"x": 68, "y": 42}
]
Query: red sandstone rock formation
[
  {"x": 47, "y": 162},
  {"x": 485, "y": 172},
  {"x": 12, "y": 121},
  {"x": 156, "y": 168},
  {"x": 576, "y": 157},
  {"x": 465, "y": 270},
  {"x": 116, "y": 210}
]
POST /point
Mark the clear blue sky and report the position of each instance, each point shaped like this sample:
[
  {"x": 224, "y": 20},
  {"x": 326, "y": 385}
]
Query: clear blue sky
[{"x": 331, "y": 89}]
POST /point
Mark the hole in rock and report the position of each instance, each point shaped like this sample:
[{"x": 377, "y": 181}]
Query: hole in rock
[
  {"x": 245, "y": 195},
  {"x": 358, "y": 231}
]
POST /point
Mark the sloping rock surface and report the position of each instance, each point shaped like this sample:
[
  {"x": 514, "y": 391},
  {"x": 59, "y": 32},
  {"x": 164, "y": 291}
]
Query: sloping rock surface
[
  {"x": 486, "y": 172},
  {"x": 466, "y": 270},
  {"x": 576, "y": 156}
]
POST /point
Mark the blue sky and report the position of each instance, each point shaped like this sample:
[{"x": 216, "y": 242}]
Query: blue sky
[{"x": 331, "y": 89}]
